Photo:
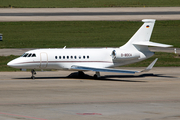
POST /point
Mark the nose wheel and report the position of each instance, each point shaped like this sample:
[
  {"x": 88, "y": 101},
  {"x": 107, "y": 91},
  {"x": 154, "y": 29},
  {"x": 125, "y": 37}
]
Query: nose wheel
[{"x": 33, "y": 73}]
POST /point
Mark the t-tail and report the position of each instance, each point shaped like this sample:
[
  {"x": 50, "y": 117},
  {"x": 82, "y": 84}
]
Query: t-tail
[{"x": 141, "y": 39}]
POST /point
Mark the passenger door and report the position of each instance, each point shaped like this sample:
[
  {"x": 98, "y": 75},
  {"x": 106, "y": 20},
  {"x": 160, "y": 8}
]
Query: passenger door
[{"x": 43, "y": 60}]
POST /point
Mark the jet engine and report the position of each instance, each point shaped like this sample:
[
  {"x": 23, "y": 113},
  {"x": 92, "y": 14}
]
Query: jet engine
[{"x": 122, "y": 55}]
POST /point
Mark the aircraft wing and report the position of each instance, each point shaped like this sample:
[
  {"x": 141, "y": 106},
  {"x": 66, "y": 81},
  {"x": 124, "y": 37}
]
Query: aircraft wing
[{"x": 75, "y": 67}]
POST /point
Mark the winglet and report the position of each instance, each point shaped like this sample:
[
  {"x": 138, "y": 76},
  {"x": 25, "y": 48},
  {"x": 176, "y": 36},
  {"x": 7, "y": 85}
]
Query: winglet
[{"x": 150, "y": 66}]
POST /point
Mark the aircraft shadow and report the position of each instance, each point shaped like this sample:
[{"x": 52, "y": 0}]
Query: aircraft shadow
[
  {"x": 109, "y": 77},
  {"x": 138, "y": 76},
  {"x": 75, "y": 75}
]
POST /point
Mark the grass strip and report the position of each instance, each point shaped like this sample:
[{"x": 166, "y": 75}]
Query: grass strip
[
  {"x": 3, "y": 63},
  {"x": 82, "y": 33},
  {"x": 87, "y": 3}
]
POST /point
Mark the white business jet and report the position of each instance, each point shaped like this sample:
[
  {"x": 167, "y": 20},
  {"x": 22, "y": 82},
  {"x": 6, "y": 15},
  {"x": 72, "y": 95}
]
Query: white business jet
[{"x": 93, "y": 59}]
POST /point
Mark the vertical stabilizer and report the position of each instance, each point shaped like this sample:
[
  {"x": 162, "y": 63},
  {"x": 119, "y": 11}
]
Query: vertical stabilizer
[{"x": 142, "y": 35}]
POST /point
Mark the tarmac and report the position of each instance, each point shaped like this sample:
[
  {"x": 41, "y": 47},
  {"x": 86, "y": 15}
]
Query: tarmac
[
  {"x": 89, "y": 14},
  {"x": 57, "y": 95}
]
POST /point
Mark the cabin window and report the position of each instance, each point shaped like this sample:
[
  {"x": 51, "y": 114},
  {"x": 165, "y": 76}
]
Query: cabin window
[
  {"x": 79, "y": 57},
  {"x": 55, "y": 57},
  {"x": 34, "y": 55},
  {"x": 63, "y": 57},
  {"x": 75, "y": 57},
  {"x": 59, "y": 57},
  {"x": 67, "y": 57},
  {"x": 88, "y": 57},
  {"x": 84, "y": 57},
  {"x": 71, "y": 57}
]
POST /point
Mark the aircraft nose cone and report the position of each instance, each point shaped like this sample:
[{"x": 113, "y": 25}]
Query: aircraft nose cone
[
  {"x": 10, "y": 64},
  {"x": 16, "y": 63},
  {"x": 13, "y": 63}
]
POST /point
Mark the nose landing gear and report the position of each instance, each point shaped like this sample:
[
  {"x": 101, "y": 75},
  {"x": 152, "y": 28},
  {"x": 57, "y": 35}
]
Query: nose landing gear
[{"x": 33, "y": 73}]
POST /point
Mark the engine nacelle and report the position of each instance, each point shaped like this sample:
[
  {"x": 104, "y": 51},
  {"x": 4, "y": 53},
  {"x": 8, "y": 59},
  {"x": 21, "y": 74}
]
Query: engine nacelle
[{"x": 122, "y": 55}]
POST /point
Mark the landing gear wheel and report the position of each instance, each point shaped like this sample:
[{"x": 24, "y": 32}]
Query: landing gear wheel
[
  {"x": 95, "y": 76},
  {"x": 33, "y": 73},
  {"x": 33, "y": 77}
]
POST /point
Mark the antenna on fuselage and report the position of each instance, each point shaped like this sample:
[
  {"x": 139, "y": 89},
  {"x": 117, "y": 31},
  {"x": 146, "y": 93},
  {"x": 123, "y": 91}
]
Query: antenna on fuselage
[{"x": 64, "y": 47}]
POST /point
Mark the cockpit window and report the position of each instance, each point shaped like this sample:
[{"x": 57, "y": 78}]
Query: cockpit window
[
  {"x": 25, "y": 55},
  {"x": 29, "y": 55},
  {"x": 34, "y": 55}
]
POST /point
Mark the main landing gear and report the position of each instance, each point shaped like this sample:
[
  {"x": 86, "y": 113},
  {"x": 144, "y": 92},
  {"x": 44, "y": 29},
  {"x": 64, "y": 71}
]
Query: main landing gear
[
  {"x": 33, "y": 73},
  {"x": 97, "y": 75}
]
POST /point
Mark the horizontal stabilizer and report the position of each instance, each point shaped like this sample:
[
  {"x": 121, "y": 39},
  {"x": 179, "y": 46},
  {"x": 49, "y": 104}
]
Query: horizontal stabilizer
[
  {"x": 149, "y": 20},
  {"x": 148, "y": 43},
  {"x": 75, "y": 67}
]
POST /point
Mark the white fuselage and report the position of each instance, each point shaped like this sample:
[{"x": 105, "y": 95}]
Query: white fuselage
[
  {"x": 93, "y": 59},
  {"x": 65, "y": 58}
]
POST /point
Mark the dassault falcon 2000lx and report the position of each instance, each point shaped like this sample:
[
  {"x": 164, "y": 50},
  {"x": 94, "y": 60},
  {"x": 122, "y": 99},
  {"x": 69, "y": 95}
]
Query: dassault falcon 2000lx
[{"x": 93, "y": 59}]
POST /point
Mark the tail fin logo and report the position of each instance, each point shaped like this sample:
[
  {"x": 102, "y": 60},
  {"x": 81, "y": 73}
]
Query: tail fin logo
[{"x": 147, "y": 26}]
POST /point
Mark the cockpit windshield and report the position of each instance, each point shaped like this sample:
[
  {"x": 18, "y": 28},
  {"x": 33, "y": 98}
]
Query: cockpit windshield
[
  {"x": 29, "y": 55},
  {"x": 33, "y": 55},
  {"x": 25, "y": 55}
]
